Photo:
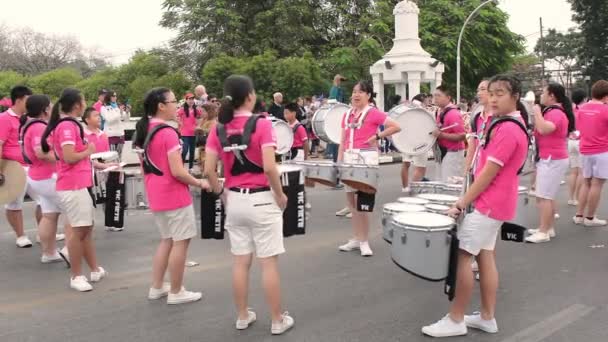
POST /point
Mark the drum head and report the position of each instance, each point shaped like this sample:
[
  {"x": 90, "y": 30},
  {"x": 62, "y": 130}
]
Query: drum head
[
  {"x": 413, "y": 200},
  {"x": 403, "y": 207},
  {"x": 416, "y": 125},
  {"x": 437, "y": 207},
  {"x": 439, "y": 198},
  {"x": 423, "y": 220},
  {"x": 327, "y": 122},
  {"x": 14, "y": 181},
  {"x": 284, "y": 136}
]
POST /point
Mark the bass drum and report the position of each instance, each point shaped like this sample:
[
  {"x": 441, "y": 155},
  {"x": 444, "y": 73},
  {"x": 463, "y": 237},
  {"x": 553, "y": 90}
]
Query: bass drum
[
  {"x": 416, "y": 125},
  {"x": 327, "y": 122},
  {"x": 284, "y": 135}
]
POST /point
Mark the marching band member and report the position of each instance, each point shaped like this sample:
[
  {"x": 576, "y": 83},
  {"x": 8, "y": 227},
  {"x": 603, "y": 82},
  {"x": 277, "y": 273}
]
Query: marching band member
[
  {"x": 360, "y": 139},
  {"x": 299, "y": 149},
  {"x": 419, "y": 161},
  {"x": 494, "y": 195},
  {"x": 594, "y": 148},
  {"x": 479, "y": 121},
  {"x": 551, "y": 129},
  {"x": 166, "y": 181},
  {"x": 451, "y": 138},
  {"x": 575, "y": 177},
  {"x": 74, "y": 177},
  {"x": 187, "y": 117},
  {"x": 41, "y": 177},
  {"x": 254, "y": 201},
  {"x": 9, "y": 150}
]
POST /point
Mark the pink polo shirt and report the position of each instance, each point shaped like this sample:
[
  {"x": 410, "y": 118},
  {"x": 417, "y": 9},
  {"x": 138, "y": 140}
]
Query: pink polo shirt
[
  {"x": 555, "y": 144},
  {"x": 452, "y": 117},
  {"x": 593, "y": 125},
  {"x": 374, "y": 119},
  {"x": 71, "y": 176},
  {"x": 98, "y": 106},
  {"x": 99, "y": 139},
  {"x": 188, "y": 123},
  {"x": 299, "y": 136},
  {"x": 40, "y": 169},
  {"x": 9, "y": 136},
  {"x": 165, "y": 192},
  {"x": 508, "y": 148},
  {"x": 263, "y": 136}
]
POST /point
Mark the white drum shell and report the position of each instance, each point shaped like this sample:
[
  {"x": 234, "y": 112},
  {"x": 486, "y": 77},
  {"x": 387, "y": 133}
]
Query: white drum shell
[
  {"x": 367, "y": 175},
  {"x": 324, "y": 172},
  {"x": 416, "y": 124},
  {"x": 391, "y": 209},
  {"x": 136, "y": 197},
  {"x": 284, "y": 135},
  {"x": 327, "y": 122}
]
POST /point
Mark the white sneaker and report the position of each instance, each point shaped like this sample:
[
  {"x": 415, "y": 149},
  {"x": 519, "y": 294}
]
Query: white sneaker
[
  {"x": 351, "y": 245},
  {"x": 578, "y": 220},
  {"x": 556, "y": 216},
  {"x": 23, "y": 242},
  {"x": 96, "y": 276},
  {"x": 343, "y": 212},
  {"x": 551, "y": 232},
  {"x": 154, "y": 294},
  {"x": 445, "y": 327},
  {"x": 285, "y": 324},
  {"x": 475, "y": 321},
  {"x": 183, "y": 297},
  {"x": 538, "y": 237},
  {"x": 81, "y": 284},
  {"x": 406, "y": 190},
  {"x": 47, "y": 259},
  {"x": 573, "y": 203},
  {"x": 242, "y": 324},
  {"x": 114, "y": 229},
  {"x": 349, "y": 215},
  {"x": 475, "y": 266},
  {"x": 366, "y": 250},
  {"x": 594, "y": 223}
]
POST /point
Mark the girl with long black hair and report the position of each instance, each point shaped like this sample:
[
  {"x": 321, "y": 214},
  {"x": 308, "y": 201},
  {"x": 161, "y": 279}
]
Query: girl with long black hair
[
  {"x": 74, "y": 178},
  {"x": 187, "y": 117}
]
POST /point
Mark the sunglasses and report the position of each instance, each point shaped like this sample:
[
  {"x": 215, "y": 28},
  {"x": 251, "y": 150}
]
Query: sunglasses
[{"x": 190, "y": 98}]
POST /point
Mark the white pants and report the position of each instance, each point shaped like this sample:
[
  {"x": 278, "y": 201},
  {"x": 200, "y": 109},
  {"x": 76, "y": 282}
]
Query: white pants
[
  {"x": 452, "y": 165},
  {"x": 46, "y": 194}
]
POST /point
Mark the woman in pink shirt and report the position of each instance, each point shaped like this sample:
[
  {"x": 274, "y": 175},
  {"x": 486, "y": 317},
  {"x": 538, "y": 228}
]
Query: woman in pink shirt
[
  {"x": 166, "y": 181},
  {"x": 187, "y": 117},
  {"x": 41, "y": 178},
  {"x": 74, "y": 178},
  {"x": 360, "y": 146},
  {"x": 494, "y": 196},
  {"x": 254, "y": 198},
  {"x": 551, "y": 129}
]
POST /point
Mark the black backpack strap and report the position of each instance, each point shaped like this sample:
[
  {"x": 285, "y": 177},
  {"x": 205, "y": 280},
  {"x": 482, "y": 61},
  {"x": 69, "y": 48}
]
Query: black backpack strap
[
  {"x": 497, "y": 122},
  {"x": 444, "y": 113},
  {"x": 473, "y": 124},
  {"x": 295, "y": 128},
  {"x": 22, "y": 132},
  {"x": 249, "y": 129},
  {"x": 149, "y": 166},
  {"x": 548, "y": 108},
  {"x": 77, "y": 124}
]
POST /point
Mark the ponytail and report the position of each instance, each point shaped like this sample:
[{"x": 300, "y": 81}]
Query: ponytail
[
  {"x": 153, "y": 98},
  {"x": 70, "y": 97},
  {"x": 53, "y": 121},
  {"x": 236, "y": 90},
  {"x": 560, "y": 95},
  {"x": 523, "y": 111},
  {"x": 34, "y": 108}
]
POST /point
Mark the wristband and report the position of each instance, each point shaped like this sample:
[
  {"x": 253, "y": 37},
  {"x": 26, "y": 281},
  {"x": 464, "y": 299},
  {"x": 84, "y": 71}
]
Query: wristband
[{"x": 219, "y": 193}]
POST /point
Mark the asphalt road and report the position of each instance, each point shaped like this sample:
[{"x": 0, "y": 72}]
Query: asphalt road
[{"x": 551, "y": 292}]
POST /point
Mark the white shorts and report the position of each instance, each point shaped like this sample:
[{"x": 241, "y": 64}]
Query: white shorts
[
  {"x": 360, "y": 157},
  {"x": 46, "y": 194},
  {"x": 254, "y": 223},
  {"x": 78, "y": 207},
  {"x": 595, "y": 166},
  {"x": 178, "y": 224},
  {"x": 549, "y": 175},
  {"x": 574, "y": 154},
  {"x": 452, "y": 165},
  {"x": 478, "y": 232},
  {"x": 418, "y": 161}
]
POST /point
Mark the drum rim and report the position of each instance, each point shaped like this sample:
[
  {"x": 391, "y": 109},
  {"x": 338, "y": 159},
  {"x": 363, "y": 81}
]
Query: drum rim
[
  {"x": 397, "y": 143},
  {"x": 454, "y": 198},
  {"x": 388, "y": 210},
  {"x": 427, "y": 201},
  {"x": 424, "y": 228},
  {"x": 325, "y": 109}
]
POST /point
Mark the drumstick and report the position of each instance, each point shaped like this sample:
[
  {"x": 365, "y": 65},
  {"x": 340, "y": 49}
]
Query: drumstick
[{"x": 445, "y": 128}]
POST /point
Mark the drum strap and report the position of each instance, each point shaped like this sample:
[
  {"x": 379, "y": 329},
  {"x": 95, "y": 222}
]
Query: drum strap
[
  {"x": 237, "y": 144},
  {"x": 498, "y": 121},
  {"x": 148, "y": 165},
  {"x": 22, "y": 137},
  {"x": 357, "y": 125},
  {"x": 79, "y": 127},
  {"x": 444, "y": 113}
]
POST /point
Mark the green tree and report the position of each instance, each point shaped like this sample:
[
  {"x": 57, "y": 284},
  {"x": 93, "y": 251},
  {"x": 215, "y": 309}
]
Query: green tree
[
  {"x": 53, "y": 82},
  {"x": 9, "y": 79},
  {"x": 528, "y": 69},
  {"x": 591, "y": 16},
  {"x": 217, "y": 70},
  {"x": 562, "y": 48},
  {"x": 103, "y": 79}
]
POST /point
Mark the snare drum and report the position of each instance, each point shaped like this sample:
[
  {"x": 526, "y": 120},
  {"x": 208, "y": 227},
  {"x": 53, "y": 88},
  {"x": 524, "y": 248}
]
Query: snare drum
[
  {"x": 416, "y": 125},
  {"x": 327, "y": 122},
  {"x": 436, "y": 208},
  {"x": 421, "y": 244},
  {"x": 136, "y": 191},
  {"x": 391, "y": 209},
  {"x": 360, "y": 177},
  {"x": 413, "y": 200},
  {"x": 452, "y": 189},
  {"x": 284, "y": 135},
  {"x": 442, "y": 199},
  {"x": 426, "y": 187},
  {"x": 322, "y": 172}
]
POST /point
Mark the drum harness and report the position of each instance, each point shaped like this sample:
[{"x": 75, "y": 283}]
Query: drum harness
[
  {"x": 237, "y": 144},
  {"x": 356, "y": 125},
  {"x": 22, "y": 137},
  {"x": 148, "y": 165}
]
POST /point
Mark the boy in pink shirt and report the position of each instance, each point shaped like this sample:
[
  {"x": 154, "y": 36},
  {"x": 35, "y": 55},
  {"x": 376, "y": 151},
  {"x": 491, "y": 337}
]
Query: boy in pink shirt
[
  {"x": 166, "y": 181},
  {"x": 494, "y": 195},
  {"x": 593, "y": 125},
  {"x": 299, "y": 149},
  {"x": 10, "y": 150},
  {"x": 450, "y": 134}
]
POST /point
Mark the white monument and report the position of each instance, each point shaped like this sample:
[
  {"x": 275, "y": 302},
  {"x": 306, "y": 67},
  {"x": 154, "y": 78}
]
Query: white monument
[{"x": 407, "y": 64}]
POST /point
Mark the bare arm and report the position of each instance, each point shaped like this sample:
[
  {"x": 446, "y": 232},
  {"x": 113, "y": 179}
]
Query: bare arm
[
  {"x": 468, "y": 163},
  {"x": 70, "y": 155},
  {"x": 487, "y": 175},
  {"x": 179, "y": 171},
  {"x": 453, "y": 136},
  {"x": 306, "y": 149},
  {"x": 541, "y": 125},
  {"x": 271, "y": 170},
  {"x": 390, "y": 127},
  {"x": 211, "y": 171}
]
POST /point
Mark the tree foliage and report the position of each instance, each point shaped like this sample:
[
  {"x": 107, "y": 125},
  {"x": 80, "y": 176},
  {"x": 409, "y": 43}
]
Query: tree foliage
[
  {"x": 564, "y": 49},
  {"x": 53, "y": 82},
  {"x": 591, "y": 16}
]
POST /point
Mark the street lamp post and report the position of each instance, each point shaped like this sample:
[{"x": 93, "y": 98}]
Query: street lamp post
[{"x": 460, "y": 41}]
